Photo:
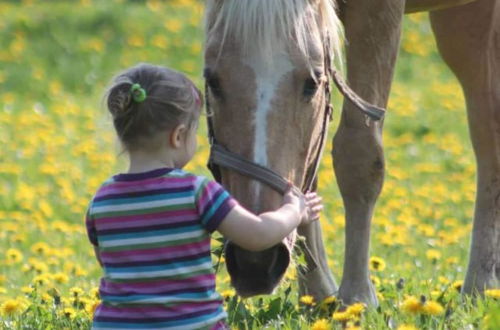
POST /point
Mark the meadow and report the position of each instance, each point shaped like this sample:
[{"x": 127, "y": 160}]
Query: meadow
[{"x": 57, "y": 146}]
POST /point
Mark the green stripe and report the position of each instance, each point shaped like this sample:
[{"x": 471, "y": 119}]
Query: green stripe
[
  {"x": 151, "y": 279},
  {"x": 152, "y": 245}
]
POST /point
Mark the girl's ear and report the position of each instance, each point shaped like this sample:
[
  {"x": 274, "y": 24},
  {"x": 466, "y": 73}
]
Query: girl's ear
[{"x": 177, "y": 136}]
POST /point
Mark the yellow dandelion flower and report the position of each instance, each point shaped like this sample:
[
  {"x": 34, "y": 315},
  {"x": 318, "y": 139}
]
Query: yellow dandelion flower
[
  {"x": 355, "y": 309},
  {"x": 91, "y": 307},
  {"x": 226, "y": 294},
  {"x": 492, "y": 293},
  {"x": 41, "y": 280},
  {"x": 377, "y": 264},
  {"x": 69, "y": 312},
  {"x": 13, "y": 256},
  {"x": 407, "y": 327},
  {"x": 60, "y": 278},
  {"x": 341, "y": 316},
  {"x": 432, "y": 308},
  {"x": 41, "y": 248},
  {"x": 76, "y": 291},
  {"x": 412, "y": 305},
  {"x": 11, "y": 307},
  {"x": 457, "y": 285},
  {"x": 27, "y": 289},
  {"x": 433, "y": 254},
  {"x": 3, "y": 290},
  {"x": 307, "y": 300},
  {"x": 321, "y": 324}
]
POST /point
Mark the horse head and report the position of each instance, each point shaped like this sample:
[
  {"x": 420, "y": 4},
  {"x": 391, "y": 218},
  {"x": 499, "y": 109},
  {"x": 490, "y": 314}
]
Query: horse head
[{"x": 266, "y": 69}]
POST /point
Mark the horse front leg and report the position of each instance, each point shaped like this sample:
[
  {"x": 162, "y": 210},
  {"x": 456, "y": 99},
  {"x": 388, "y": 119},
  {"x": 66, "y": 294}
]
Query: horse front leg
[
  {"x": 315, "y": 278},
  {"x": 373, "y": 30},
  {"x": 468, "y": 40}
]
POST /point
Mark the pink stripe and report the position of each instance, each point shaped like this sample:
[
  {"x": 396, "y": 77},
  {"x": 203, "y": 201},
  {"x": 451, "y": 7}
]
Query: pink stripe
[
  {"x": 155, "y": 254},
  {"x": 148, "y": 222},
  {"x": 154, "y": 311},
  {"x": 144, "y": 218},
  {"x": 157, "y": 286},
  {"x": 207, "y": 195},
  {"x": 120, "y": 187}
]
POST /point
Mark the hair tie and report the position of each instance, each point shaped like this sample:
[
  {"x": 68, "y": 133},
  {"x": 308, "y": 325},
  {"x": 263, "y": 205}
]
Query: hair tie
[
  {"x": 196, "y": 95},
  {"x": 138, "y": 93}
]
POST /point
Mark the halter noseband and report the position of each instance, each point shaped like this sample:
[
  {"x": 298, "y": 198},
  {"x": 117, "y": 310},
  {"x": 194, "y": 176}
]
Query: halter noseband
[{"x": 222, "y": 157}]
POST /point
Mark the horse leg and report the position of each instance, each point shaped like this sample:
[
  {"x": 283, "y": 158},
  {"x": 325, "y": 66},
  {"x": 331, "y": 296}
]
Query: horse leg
[
  {"x": 316, "y": 279},
  {"x": 469, "y": 41},
  {"x": 373, "y": 30}
]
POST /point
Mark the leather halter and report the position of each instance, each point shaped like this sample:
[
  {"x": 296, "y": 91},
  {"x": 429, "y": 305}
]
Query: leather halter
[{"x": 222, "y": 157}]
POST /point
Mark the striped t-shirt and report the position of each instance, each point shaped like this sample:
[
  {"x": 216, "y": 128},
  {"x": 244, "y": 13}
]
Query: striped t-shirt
[{"x": 152, "y": 233}]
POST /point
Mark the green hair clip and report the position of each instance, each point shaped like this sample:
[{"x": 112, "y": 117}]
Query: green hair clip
[{"x": 138, "y": 93}]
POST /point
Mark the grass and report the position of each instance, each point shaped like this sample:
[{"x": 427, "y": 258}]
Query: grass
[{"x": 58, "y": 146}]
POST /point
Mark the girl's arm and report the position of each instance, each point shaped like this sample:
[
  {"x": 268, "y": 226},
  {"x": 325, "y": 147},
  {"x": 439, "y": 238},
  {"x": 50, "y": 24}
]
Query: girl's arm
[{"x": 259, "y": 232}]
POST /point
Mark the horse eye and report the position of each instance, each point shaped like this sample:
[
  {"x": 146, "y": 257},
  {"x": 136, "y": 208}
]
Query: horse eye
[
  {"x": 310, "y": 87},
  {"x": 213, "y": 83}
]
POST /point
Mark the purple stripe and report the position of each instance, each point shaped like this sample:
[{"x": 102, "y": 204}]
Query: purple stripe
[
  {"x": 143, "y": 313},
  {"x": 147, "y": 285},
  {"x": 147, "y": 311},
  {"x": 191, "y": 285},
  {"x": 143, "y": 219},
  {"x": 157, "y": 260},
  {"x": 151, "y": 184},
  {"x": 152, "y": 253}
]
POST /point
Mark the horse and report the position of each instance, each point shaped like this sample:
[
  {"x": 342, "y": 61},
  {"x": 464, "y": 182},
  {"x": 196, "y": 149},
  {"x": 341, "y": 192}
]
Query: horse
[{"x": 267, "y": 70}]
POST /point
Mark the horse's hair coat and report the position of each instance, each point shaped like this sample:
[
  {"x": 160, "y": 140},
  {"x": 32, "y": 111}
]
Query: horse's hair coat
[{"x": 265, "y": 24}]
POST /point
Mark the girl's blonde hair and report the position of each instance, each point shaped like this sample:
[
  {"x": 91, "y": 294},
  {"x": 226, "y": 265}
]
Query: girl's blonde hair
[{"x": 170, "y": 99}]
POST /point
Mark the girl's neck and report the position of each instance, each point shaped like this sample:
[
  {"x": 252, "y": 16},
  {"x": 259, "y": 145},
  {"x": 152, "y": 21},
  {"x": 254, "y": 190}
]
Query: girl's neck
[{"x": 144, "y": 161}]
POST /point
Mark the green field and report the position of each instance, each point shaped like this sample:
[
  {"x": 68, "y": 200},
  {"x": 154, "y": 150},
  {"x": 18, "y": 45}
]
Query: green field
[{"x": 57, "y": 146}]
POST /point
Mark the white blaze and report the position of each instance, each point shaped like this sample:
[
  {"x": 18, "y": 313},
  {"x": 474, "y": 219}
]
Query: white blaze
[{"x": 267, "y": 79}]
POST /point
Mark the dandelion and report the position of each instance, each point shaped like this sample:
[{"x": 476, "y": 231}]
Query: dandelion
[
  {"x": 13, "y": 256},
  {"x": 355, "y": 309},
  {"x": 457, "y": 285},
  {"x": 40, "y": 248},
  {"x": 226, "y": 294},
  {"x": 69, "y": 312},
  {"x": 11, "y": 307},
  {"x": 60, "y": 278},
  {"x": 492, "y": 293},
  {"x": 433, "y": 255},
  {"x": 377, "y": 264},
  {"x": 76, "y": 291},
  {"x": 432, "y": 308},
  {"x": 307, "y": 300},
  {"x": 341, "y": 316},
  {"x": 27, "y": 289},
  {"x": 321, "y": 324},
  {"x": 406, "y": 327},
  {"x": 411, "y": 305},
  {"x": 91, "y": 307}
]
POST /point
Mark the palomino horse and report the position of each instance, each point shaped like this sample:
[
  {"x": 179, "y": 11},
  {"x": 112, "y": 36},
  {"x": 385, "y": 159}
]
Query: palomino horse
[{"x": 266, "y": 65}]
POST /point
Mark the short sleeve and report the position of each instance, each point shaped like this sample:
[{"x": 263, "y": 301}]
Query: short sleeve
[
  {"x": 213, "y": 203},
  {"x": 91, "y": 231}
]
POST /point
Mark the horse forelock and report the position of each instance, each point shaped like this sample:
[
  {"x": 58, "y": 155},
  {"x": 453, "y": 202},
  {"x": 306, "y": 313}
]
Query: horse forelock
[{"x": 264, "y": 25}]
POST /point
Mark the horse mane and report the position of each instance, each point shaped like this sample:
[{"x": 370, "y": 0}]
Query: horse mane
[{"x": 263, "y": 24}]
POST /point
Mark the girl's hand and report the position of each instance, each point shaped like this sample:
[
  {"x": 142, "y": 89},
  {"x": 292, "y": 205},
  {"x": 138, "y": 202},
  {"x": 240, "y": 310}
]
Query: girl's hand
[
  {"x": 296, "y": 199},
  {"x": 314, "y": 206}
]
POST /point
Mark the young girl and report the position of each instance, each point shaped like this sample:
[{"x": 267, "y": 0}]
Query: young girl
[{"x": 151, "y": 226}]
